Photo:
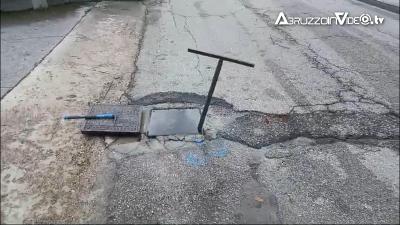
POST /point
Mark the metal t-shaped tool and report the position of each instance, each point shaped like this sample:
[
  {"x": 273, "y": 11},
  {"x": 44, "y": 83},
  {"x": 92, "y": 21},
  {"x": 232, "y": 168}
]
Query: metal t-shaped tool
[{"x": 214, "y": 80}]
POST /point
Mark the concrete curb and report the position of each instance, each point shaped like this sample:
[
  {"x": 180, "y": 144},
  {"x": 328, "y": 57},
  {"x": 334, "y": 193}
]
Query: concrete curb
[{"x": 382, "y": 5}]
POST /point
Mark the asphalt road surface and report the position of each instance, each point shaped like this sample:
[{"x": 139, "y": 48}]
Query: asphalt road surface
[{"x": 310, "y": 135}]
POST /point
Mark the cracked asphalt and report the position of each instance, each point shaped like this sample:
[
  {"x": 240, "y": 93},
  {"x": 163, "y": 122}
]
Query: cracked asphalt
[{"x": 310, "y": 135}]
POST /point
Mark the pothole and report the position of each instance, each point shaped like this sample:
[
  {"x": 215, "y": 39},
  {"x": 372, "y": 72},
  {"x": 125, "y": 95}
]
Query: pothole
[{"x": 257, "y": 129}]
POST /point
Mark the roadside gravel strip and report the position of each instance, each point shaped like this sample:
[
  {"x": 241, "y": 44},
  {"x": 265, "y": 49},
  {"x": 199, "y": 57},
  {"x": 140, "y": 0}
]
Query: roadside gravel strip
[{"x": 47, "y": 166}]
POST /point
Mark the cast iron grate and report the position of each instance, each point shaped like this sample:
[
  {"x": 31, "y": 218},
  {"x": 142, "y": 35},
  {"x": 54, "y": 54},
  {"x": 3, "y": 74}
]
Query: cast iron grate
[{"x": 127, "y": 121}]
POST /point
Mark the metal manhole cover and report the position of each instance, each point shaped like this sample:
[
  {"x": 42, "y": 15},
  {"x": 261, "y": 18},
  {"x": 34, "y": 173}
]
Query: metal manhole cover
[
  {"x": 173, "y": 121},
  {"x": 127, "y": 120}
]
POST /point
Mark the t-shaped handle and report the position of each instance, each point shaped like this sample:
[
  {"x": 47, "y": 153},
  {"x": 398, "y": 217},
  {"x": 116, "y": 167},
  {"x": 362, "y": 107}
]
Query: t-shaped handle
[
  {"x": 214, "y": 81},
  {"x": 221, "y": 57}
]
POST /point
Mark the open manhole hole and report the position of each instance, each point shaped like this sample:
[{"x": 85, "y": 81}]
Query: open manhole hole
[{"x": 183, "y": 121}]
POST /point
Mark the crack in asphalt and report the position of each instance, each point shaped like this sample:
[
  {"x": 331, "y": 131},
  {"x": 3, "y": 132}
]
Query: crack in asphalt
[
  {"x": 172, "y": 14},
  {"x": 277, "y": 41},
  {"x": 323, "y": 64},
  {"x": 104, "y": 91},
  {"x": 136, "y": 57},
  {"x": 269, "y": 22},
  {"x": 186, "y": 28},
  {"x": 192, "y": 36}
]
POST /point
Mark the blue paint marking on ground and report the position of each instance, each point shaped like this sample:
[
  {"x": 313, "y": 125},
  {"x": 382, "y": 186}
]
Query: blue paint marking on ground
[
  {"x": 199, "y": 141},
  {"x": 195, "y": 160},
  {"x": 219, "y": 153}
]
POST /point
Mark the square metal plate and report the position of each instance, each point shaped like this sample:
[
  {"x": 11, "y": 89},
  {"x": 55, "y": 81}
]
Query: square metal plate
[
  {"x": 173, "y": 121},
  {"x": 127, "y": 120}
]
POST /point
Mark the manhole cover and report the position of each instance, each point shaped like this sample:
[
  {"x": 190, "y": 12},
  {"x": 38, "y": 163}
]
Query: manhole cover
[
  {"x": 173, "y": 121},
  {"x": 127, "y": 120}
]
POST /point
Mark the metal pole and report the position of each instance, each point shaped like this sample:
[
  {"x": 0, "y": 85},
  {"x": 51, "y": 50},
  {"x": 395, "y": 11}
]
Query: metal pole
[
  {"x": 214, "y": 81},
  {"x": 209, "y": 96}
]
